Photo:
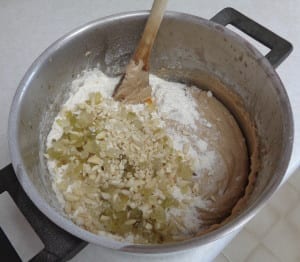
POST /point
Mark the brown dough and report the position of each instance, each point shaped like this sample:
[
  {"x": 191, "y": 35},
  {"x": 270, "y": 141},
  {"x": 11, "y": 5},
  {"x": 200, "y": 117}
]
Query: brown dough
[{"x": 226, "y": 183}]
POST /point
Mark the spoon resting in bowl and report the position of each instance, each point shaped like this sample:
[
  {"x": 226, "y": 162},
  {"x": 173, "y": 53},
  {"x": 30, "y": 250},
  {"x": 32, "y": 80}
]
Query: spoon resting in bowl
[{"x": 134, "y": 87}]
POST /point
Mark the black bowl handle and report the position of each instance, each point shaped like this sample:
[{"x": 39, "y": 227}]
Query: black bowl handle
[{"x": 280, "y": 48}]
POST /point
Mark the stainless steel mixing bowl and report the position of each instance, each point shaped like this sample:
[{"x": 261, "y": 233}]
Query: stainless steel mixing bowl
[{"x": 192, "y": 47}]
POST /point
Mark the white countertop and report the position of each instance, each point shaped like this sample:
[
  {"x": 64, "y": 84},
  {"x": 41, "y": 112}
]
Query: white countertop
[{"x": 28, "y": 27}]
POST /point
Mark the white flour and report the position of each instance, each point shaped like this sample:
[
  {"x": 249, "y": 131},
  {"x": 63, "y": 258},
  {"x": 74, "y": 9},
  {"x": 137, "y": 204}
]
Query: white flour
[
  {"x": 174, "y": 102},
  {"x": 91, "y": 81}
]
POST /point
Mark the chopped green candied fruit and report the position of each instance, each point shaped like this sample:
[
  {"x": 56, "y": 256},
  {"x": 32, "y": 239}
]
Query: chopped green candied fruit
[
  {"x": 185, "y": 171},
  {"x": 71, "y": 119},
  {"x": 126, "y": 167},
  {"x": 84, "y": 119},
  {"x": 95, "y": 98},
  {"x": 169, "y": 202},
  {"x": 91, "y": 147},
  {"x": 159, "y": 214}
]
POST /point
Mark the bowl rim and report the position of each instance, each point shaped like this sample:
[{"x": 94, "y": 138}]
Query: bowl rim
[{"x": 232, "y": 226}]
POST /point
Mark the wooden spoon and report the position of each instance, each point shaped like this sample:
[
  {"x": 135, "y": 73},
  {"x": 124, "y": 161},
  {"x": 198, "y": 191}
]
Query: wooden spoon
[{"x": 134, "y": 85}]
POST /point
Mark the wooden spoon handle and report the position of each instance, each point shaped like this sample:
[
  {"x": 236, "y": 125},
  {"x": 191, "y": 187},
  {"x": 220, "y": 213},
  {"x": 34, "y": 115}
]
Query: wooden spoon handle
[{"x": 145, "y": 45}]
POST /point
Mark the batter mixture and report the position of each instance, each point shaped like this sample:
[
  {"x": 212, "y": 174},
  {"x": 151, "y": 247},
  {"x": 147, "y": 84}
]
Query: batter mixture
[{"x": 157, "y": 172}]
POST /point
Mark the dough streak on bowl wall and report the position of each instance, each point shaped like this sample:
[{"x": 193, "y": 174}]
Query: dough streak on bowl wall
[{"x": 162, "y": 171}]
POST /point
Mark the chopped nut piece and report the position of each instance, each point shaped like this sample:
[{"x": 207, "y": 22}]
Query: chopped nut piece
[
  {"x": 130, "y": 222},
  {"x": 94, "y": 160},
  {"x": 148, "y": 226}
]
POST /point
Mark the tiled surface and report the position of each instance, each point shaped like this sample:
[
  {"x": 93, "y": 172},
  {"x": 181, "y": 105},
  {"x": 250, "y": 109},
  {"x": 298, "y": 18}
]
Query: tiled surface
[
  {"x": 273, "y": 234},
  {"x": 249, "y": 244},
  {"x": 262, "y": 254}
]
